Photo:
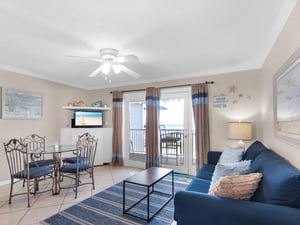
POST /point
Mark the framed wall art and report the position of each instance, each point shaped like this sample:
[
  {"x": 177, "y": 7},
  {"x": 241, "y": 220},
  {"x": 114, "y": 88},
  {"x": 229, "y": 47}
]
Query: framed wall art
[
  {"x": 287, "y": 100},
  {"x": 17, "y": 104}
]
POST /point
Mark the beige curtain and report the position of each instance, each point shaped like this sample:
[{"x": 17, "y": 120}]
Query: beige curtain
[
  {"x": 152, "y": 124},
  {"x": 201, "y": 119},
  {"x": 117, "y": 155}
]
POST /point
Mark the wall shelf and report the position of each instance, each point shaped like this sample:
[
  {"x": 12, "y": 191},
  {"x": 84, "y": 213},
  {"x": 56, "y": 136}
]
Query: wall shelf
[{"x": 78, "y": 108}]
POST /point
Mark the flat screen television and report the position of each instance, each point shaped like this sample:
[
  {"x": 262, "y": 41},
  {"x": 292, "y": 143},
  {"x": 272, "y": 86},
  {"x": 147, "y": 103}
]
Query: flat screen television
[{"x": 87, "y": 119}]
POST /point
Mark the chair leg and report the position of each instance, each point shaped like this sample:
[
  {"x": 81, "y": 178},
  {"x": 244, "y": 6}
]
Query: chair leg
[
  {"x": 76, "y": 185},
  {"x": 28, "y": 190},
  {"x": 11, "y": 190},
  {"x": 92, "y": 174}
]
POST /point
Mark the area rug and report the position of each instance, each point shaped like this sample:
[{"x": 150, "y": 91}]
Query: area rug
[{"x": 106, "y": 207}]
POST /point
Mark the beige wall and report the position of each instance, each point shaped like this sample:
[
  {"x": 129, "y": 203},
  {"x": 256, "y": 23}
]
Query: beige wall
[
  {"x": 54, "y": 117},
  {"x": 287, "y": 43},
  {"x": 243, "y": 104}
]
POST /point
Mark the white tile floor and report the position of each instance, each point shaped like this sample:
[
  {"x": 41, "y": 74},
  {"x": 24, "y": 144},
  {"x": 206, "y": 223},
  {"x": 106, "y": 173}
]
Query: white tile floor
[{"x": 46, "y": 204}]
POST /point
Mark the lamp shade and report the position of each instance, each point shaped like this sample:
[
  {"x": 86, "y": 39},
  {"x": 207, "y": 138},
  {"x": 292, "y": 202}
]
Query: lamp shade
[{"x": 240, "y": 130}]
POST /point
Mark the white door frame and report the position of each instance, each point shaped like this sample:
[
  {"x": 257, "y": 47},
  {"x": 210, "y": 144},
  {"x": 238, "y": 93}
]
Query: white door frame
[
  {"x": 129, "y": 97},
  {"x": 185, "y": 93}
]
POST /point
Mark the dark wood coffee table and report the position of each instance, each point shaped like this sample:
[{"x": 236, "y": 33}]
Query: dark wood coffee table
[{"x": 148, "y": 178}]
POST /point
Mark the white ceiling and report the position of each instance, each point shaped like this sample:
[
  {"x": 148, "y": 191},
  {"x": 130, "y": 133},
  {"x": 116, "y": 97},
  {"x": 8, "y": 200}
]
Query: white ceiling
[{"x": 172, "y": 38}]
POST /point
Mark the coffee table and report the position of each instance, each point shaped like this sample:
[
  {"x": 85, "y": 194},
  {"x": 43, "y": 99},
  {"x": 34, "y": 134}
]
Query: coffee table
[{"x": 148, "y": 178}]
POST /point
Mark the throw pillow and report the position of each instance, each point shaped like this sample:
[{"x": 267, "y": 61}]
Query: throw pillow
[
  {"x": 231, "y": 155},
  {"x": 222, "y": 170},
  {"x": 237, "y": 186}
]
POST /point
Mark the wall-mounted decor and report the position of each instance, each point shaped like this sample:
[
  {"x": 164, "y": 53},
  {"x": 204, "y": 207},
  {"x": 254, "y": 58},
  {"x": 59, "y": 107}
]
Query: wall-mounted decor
[
  {"x": 230, "y": 98},
  {"x": 17, "y": 104},
  {"x": 97, "y": 104},
  {"x": 287, "y": 100},
  {"x": 220, "y": 101}
]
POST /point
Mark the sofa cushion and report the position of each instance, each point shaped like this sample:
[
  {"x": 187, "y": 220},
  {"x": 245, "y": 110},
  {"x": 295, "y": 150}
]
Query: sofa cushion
[
  {"x": 230, "y": 169},
  {"x": 280, "y": 183},
  {"x": 206, "y": 171},
  {"x": 213, "y": 157},
  {"x": 254, "y": 150},
  {"x": 237, "y": 186},
  {"x": 231, "y": 155},
  {"x": 199, "y": 185}
]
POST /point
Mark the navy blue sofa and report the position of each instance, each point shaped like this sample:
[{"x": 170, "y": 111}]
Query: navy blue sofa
[{"x": 276, "y": 201}]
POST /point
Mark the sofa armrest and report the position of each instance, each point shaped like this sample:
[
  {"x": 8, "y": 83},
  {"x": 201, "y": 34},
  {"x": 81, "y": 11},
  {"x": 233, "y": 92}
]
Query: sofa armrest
[
  {"x": 213, "y": 157},
  {"x": 196, "y": 208}
]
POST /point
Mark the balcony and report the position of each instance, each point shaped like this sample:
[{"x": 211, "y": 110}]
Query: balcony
[{"x": 171, "y": 145}]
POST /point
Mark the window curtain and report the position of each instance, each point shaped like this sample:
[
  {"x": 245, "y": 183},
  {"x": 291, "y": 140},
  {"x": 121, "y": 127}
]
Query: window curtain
[
  {"x": 152, "y": 123},
  {"x": 117, "y": 155},
  {"x": 201, "y": 119}
]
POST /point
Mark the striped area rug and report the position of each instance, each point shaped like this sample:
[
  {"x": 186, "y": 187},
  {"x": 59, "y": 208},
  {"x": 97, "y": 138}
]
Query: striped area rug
[{"x": 106, "y": 207}]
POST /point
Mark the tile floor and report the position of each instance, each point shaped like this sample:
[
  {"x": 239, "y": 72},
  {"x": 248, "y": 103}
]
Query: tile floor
[{"x": 46, "y": 204}]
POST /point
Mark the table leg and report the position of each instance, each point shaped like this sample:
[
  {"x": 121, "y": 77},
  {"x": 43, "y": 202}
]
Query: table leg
[
  {"x": 124, "y": 197},
  {"x": 172, "y": 183},
  {"x": 148, "y": 204},
  {"x": 35, "y": 186},
  {"x": 56, "y": 158}
]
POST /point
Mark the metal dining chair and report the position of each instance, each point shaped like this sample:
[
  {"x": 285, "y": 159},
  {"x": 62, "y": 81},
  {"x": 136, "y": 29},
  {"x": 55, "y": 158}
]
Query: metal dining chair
[
  {"x": 35, "y": 141},
  {"x": 73, "y": 159},
  {"x": 84, "y": 164},
  {"x": 171, "y": 145},
  {"x": 18, "y": 161}
]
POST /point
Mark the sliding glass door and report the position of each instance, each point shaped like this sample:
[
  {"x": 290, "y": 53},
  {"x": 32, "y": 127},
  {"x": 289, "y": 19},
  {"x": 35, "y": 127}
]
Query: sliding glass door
[
  {"x": 134, "y": 129},
  {"x": 175, "y": 131},
  {"x": 175, "y": 121}
]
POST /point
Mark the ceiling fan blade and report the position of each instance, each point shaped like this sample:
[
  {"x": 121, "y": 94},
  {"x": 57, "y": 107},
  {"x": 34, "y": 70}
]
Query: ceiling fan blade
[
  {"x": 129, "y": 71},
  {"x": 128, "y": 58},
  {"x": 98, "y": 70},
  {"x": 86, "y": 58}
]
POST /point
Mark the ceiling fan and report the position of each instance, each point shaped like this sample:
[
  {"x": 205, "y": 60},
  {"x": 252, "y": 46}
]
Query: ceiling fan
[{"x": 111, "y": 61}]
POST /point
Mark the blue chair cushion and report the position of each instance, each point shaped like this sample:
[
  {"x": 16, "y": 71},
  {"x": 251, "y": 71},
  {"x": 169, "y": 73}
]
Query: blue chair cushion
[
  {"x": 72, "y": 159},
  {"x": 72, "y": 168},
  {"x": 40, "y": 163},
  {"x": 280, "y": 183},
  {"x": 213, "y": 157},
  {"x": 206, "y": 171},
  {"x": 254, "y": 150},
  {"x": 199, "y": 185},
  {"x": 34, "y": 172}
]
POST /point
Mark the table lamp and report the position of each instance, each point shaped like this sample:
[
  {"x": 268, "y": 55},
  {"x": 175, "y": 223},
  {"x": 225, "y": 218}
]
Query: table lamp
[{"x": 241, "y": 131}]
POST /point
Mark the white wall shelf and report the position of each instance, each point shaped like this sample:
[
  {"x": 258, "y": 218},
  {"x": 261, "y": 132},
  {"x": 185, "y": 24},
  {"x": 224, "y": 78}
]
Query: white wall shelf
[{"x": 78, "y": 108}]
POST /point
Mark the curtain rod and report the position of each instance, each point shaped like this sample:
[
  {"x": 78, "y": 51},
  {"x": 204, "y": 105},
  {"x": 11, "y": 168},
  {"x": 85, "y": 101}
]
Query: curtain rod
[{"x": 174, "y": 86}]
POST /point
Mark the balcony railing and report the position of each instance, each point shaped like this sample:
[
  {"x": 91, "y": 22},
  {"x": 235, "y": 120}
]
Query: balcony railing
[
  {"x": 138, "y": 137},
  {"x": 137, "y": 141}
]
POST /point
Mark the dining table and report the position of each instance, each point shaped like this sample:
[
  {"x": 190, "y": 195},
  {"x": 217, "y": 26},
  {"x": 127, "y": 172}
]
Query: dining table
[{"x": 56, "y": 151}]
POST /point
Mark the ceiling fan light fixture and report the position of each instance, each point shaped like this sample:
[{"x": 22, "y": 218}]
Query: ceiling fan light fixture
[
  {"x": 106, "y": 68},
  {"x": 111, "y": 60},
  {"x": 116, "y": 68}
]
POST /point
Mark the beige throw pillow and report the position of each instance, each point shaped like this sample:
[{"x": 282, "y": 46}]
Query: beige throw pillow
[{"x": 237, "y": 186}]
